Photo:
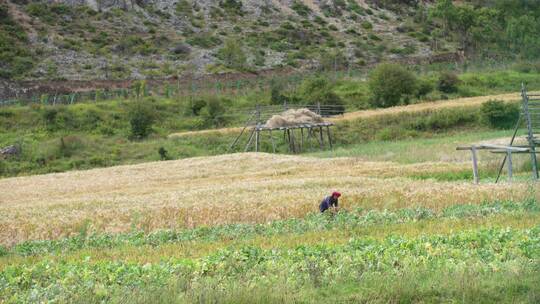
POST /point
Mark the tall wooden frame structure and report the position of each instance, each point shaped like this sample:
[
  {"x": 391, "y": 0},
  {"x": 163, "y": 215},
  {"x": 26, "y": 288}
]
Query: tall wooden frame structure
[{"x": 530, "y": 115}]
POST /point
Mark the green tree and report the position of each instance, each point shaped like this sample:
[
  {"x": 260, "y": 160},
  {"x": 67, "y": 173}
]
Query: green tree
[
  {"x": 213, "y": 112},
  {"x": 391, "y": 84},
  {"x": 141, "y": 119},
  {"x": 522, "y": 33},
  {"x": 448, "y": 82},
  {"x": 319, "y": 90},
  {"x": 232, "y": 55},
  {"x": 500, "y": 115}
]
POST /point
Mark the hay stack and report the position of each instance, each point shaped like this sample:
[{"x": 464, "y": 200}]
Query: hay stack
[{"x": 293, "y": 117}]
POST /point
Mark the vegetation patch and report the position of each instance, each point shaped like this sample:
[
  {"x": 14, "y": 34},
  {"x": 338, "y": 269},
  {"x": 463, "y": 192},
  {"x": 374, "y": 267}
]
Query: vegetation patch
[{"x": 15, "y": 57}]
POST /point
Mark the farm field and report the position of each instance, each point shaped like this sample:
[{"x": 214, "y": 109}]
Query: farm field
[
  {"x": 243, "y": 228},
  {"x": 127, "y": 171}
]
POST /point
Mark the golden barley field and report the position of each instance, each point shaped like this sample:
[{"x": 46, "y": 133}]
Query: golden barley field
[{"x": 244, "y": 187}]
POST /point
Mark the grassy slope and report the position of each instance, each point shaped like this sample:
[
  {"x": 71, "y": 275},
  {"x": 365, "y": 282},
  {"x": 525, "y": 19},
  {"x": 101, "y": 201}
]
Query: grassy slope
[{"x": 96, "y": 134}]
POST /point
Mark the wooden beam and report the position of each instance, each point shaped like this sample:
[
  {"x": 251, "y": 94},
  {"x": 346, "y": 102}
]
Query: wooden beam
[
  {"x": 475, "y": 165},
  {"x": 509, "y": 159},
  {"x": 249, "y": 140},
  {"x": 257, "y": 139},
  {"x": 302, "y": 141},
  {"x": 322, "y": 138},
  {"x": 273, "y": 143},
  {"x": 329, "y": 137}
]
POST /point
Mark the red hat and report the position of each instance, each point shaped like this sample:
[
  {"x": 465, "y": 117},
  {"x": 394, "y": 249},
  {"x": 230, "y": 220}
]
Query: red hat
[{"x": 336, "y": 194}]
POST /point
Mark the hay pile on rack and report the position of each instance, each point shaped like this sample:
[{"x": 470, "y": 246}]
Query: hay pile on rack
[{"x": 294, "y": 117}]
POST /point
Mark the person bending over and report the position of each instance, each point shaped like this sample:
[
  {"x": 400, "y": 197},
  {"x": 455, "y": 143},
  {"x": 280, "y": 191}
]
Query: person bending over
[{"x": 330, "y": 202}]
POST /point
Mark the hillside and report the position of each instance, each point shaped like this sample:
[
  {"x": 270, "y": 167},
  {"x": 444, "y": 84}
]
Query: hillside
[
  {"x": 74, "y": 40},
  {"x": 145, "y": 39}
]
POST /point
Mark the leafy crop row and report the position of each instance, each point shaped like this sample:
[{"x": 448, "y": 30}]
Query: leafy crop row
[
  {"x": 486, "y": 250},
  {"x": 313, "y": 222}
]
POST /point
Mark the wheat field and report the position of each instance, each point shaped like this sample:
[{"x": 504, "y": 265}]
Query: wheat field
[{"x": 244, "y": 187}]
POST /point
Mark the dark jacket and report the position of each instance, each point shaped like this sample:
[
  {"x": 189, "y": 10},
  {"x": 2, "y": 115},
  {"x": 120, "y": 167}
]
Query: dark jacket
[{"x": 327, "y": 202}]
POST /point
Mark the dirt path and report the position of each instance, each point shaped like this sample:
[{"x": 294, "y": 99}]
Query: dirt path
[{"x": 434, "y": 105}]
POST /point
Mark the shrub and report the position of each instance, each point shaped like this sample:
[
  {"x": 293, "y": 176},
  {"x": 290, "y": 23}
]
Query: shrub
[
  {"x": 300, "y": 8},
  {"x": 448, "y": 82},
  {"x": 184, "y": 9},
  {"x": 195, "y": 106},
  {"x": 213, "y": 112},
  {"x": 276, "y": 93},
  {"x": 367, "y": 25},
  {"x": 233, "y": 7},
  {"x": 163, "y": 153},
  {"x": 500, "y": 115},
  {"x": 15, "y": 57},
  {"x": 141, "y": 118},
  {"x": 49, "y": 117},
  {"x": 204, "y": 40},
  {"x": 233, "y": 55},
  {"x": 391, "y": 84},
  {"x": 319, "y": 90},
  {"x": 58, "y": 118},
  {"x": 424, "y": 87}
]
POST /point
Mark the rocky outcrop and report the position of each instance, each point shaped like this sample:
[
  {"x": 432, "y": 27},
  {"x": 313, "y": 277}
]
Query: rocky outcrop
[{"x": 10, "y": 151}]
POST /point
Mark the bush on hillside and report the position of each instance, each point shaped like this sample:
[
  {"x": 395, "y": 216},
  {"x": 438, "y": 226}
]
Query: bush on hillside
[
  {"x": 163, "y": 153},
  {"x": 233, "y": 55},
  {"x": 195, "y": 106},
  {"x": 448, "y": 82},
  {"x": 141, "y": 119},
  {"x": 213, "y": 112},
  {"x": 276, "y": 93},
  {"x": 320, "y": 90},
  {"x": 390, "y": 85},
  {"x": 500, "y": 115},
  {"x": 423, "y": 88}
]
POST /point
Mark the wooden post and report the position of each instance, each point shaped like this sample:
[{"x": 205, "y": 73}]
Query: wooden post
[
  {"x": 257, "y": 138},
  {"x": 293, "y": 145},
  {"x": 272, "y": 140},
  {"x": 329, "y": 137},
  {"x": 288, "y": 137},
  {"x": 318, "y": 108},
  {"x": 309, "y": 135},
  {"x": 241, "y": 132},
  {"x": 530, "y": 134},
  {"x": 475, "y": 165},
  {"x": 321, "y": 137},
  {"x": 511, "y": 143},
  {"x": 249, "y": 140},
  {"x": 509, "y": 158},
  {"x": 302, "y": 141}
]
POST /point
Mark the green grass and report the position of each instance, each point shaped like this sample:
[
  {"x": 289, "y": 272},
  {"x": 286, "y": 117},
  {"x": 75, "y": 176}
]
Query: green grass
[
  {"x": 441, "y": 147},
  {"x": 98, "y": 134},
  {"x": 99, "y": 137},
  {"x": 320, "y": 270}
]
